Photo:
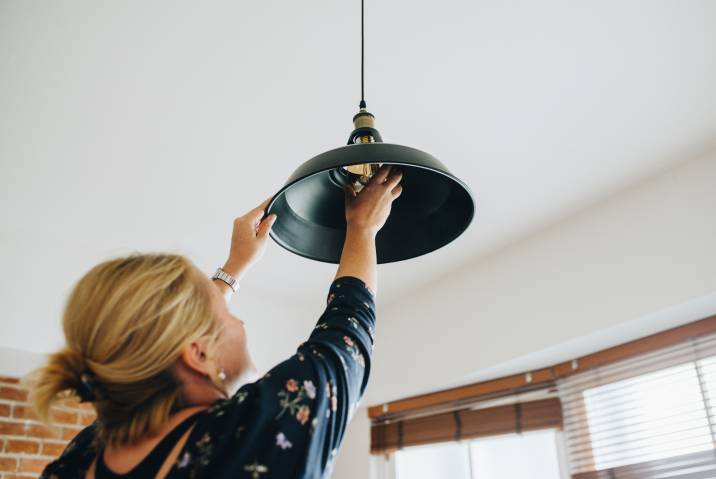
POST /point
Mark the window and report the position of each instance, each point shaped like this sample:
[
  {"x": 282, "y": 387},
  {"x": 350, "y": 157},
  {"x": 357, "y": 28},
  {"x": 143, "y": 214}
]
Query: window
[
  {"x": 510, "y": 456},
  {"x": 516, "y": 456},
  {"x": 644, "y": 417},
  {"x": 643, "y": 409},
  {"x": 436, "y": 460},
  {"x": 653, "y": 416}
]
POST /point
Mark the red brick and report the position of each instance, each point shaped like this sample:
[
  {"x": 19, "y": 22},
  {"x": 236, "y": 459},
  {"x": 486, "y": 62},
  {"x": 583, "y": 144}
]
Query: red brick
[
  {"x": 8, "y": 428},
  {"x": 42, "y": 431},
  {"x": 87, "y": 419},
  {"x": 4, "y": 410},
  {"x": 8, "y": 464},
  {"x": 22, "y": 446},
  {"x": 33, "y": 465},
  {"x": 13, "y": 394},
  {"x": 53, "y": 449},
  {"x": 74, "y": 404},
  {"x": 24, "y": 412},
  {"x": 69, "y": 433},
  {"x": 8, "y": 380},
  {"x": 63, "y": 417}
]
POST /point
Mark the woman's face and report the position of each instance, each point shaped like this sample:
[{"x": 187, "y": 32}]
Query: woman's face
[{"x": 232, "y": 353}]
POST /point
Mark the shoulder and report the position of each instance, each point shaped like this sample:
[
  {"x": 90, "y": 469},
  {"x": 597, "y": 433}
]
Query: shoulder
[{"x": 282, "y": 390}]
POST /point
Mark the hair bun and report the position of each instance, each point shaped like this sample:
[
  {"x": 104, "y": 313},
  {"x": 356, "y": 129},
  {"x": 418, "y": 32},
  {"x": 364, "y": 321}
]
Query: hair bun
[
  {"x": 84, "y": 382},
  {"x": 86, "y": 388}
]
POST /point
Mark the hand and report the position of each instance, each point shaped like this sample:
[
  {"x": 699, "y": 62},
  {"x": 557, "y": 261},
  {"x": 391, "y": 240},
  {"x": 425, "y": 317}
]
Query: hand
[
  {"x": 370, "y": 208},
  {"x": 248, "y": 240}
]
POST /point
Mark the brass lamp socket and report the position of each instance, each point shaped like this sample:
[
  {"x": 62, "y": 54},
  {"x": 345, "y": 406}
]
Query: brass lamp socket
[
  {"x": 363, "y": 119},
  {"x": 364, "y": 172}
]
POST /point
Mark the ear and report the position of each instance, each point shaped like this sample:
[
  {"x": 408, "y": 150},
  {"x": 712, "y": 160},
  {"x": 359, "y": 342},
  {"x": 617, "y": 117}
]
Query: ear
[{"x": 196, "y": 357}]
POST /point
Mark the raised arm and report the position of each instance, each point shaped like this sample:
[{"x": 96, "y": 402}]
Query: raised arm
[
  {"x": 291, "y": 422},
  {"x": 248, "y": 244},
  {"x": 366, "y": 214},
  {"x": 318, "y": 389}
]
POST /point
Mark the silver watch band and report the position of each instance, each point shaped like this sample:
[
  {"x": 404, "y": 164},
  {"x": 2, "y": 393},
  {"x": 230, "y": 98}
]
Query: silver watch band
[{"x": 226, "y": 278}]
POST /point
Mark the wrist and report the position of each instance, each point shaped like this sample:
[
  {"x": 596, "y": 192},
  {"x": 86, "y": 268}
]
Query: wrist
[
  {"x": 237, "y": 269},
  {"x": 355, "y": 230}
]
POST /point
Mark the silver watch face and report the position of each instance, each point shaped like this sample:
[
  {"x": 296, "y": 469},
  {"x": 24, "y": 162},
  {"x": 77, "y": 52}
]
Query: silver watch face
[{"x": 226, "y": 278}]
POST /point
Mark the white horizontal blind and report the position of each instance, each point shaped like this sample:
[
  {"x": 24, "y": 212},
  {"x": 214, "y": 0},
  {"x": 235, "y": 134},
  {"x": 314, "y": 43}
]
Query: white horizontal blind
[{"x": 648, "y": 416}]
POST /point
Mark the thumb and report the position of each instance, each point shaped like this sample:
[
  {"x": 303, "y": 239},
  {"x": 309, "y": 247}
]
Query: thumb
[
  {"x": 349, "y": 193},
  {"x": 266, "y": 225},
  {"x": 257, "y": 213}
]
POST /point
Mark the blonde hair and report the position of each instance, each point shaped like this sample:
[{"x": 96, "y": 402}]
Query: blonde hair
[{"x": 125, "y": 323}]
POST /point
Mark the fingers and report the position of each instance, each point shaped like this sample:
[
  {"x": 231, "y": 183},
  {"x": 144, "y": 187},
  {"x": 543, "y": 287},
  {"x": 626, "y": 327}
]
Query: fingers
[
  {"x": 262, "y": 207},
  {"x": 395, "y": 192},
  {"x": 394, "y": 179},
  {"x": 265, "y": 226},
  {"x": 254, "y": 217},
  {"x": 257, "y": 213},
  {"x": 382, "y": 174}
]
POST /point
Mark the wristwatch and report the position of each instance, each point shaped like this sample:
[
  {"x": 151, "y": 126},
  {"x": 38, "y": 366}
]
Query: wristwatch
[{"x": 226, "y": 278}]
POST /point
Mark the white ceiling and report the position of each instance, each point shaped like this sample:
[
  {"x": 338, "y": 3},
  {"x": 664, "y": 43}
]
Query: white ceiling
[{"x": 151, "y": 125}]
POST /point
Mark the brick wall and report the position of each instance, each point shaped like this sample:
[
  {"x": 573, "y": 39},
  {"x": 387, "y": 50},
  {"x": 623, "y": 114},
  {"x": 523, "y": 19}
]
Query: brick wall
[{"x": 27, "y": 444}]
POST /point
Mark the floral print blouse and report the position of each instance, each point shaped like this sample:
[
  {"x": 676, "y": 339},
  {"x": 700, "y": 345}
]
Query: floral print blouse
[{"x": 289, "y": 423}]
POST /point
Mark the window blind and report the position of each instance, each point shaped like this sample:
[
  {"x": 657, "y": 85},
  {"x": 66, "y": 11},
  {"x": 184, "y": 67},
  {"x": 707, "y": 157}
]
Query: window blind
[
  {"x": 645, "y": 417},
  {"x": 470, "y": 422}
]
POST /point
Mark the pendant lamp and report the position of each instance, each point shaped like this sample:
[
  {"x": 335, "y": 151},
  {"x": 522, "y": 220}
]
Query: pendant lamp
[{"x": 435, "y": 207}]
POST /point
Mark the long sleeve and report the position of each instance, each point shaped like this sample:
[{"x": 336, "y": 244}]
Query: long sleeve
[
  {"x": 318, "y": 389},
  {"x": 290, "y": 423}
]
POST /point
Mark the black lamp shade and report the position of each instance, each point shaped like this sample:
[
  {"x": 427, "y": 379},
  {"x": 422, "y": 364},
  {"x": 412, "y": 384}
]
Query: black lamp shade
[{"x": 434, "y": 208}]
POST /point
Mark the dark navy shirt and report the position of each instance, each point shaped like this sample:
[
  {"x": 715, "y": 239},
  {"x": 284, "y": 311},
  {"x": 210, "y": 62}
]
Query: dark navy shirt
[{"x": 289, "y": 423}]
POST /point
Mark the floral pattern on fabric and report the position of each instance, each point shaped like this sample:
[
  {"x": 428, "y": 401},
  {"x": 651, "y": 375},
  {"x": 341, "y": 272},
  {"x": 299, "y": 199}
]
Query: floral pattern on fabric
[
  {"x": 355, "y": 352},
  {"x": 293, "y": 396},
  {"x": 282, "y": 442},
  {"x": 288, "y": 424},
  {"x": 256, "y": 469}
]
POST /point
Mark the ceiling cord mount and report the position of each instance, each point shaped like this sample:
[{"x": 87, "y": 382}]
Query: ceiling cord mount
[{"x": 362, "y": 56}]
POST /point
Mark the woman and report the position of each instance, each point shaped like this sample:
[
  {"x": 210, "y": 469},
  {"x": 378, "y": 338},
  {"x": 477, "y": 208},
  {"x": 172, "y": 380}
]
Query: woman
[{"x": 151, "y": 343}]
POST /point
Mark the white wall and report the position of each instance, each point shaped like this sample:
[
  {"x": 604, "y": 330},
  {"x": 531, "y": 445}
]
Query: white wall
[
  {"x": 353, "y": 457},
  {"x": 646, "y": 250}
]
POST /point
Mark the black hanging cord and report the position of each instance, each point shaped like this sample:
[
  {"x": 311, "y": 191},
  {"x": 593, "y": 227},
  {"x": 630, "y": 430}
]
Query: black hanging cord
[{"x": 362, "y": 56}]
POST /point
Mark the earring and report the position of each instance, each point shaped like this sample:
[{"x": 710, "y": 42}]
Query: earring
[{"x": 221, "y": 375}]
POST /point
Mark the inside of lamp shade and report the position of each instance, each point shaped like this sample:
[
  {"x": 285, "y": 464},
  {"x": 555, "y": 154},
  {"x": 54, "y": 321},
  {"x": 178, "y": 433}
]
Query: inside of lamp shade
[{"x": 432, "y": 210}]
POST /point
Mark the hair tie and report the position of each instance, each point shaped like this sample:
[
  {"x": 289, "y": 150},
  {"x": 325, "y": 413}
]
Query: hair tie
[{"x": 87, "y": 388}]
